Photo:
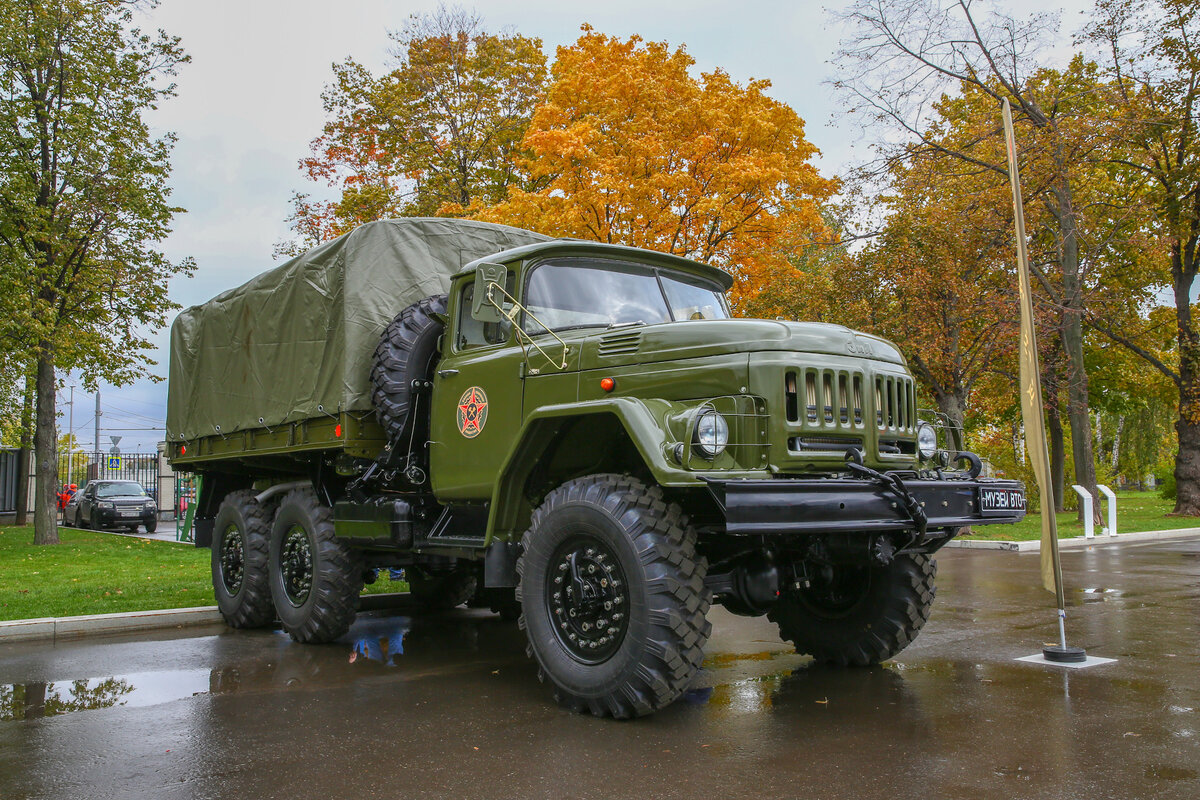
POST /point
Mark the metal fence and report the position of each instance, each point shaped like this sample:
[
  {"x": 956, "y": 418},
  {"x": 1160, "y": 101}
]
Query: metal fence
[{"x": 172, "y": 492}]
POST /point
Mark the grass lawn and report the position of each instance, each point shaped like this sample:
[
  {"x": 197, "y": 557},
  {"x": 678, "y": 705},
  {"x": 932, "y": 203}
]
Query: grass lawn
[
  {"x": 1136, "y": 511},
  {"x": 101, "y": 573}
]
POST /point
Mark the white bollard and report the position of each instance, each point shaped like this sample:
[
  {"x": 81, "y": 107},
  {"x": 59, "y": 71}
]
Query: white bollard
[
  {"x": 1089, "y": 530},
  {"x": 1111, "y": 499}
]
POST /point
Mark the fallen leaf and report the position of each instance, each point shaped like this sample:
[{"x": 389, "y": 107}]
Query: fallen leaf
[{"x": 824, "y": 702}]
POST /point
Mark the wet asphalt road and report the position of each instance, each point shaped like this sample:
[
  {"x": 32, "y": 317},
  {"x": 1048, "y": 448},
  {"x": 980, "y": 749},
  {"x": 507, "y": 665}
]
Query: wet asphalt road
[{"x": 448, "y": 706}]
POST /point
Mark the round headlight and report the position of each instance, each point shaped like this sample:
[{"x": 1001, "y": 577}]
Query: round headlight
[
  {"x": 712, "y": 434},
  {"x": 927, "y": 441}
]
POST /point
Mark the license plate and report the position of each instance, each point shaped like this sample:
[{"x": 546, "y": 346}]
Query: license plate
[
  {"x": 1000, "y": 502},
  {"x": 130, "y": 513}
]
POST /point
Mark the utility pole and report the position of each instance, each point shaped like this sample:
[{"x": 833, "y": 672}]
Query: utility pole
[
  {"x": 71, "y": 434},
  {"x": 98, "y": 412}
]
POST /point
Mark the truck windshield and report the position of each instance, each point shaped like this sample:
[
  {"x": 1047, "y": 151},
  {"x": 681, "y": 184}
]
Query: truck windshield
[{"x": 565, "y": 296}]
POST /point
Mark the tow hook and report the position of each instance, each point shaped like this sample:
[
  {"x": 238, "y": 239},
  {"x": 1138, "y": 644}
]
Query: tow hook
[{"x": 891, "y": 482}]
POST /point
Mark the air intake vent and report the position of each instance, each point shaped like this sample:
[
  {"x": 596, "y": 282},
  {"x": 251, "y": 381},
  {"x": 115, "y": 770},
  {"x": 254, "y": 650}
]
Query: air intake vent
[{"x": 619, "y": 344}]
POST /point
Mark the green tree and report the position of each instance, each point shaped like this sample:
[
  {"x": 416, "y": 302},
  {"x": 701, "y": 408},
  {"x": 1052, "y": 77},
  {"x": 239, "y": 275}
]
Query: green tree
[
  {"x": 1153, "y": 62},
  {"x": 83, "y": 200},
  {"x": 432, "y": 136}
]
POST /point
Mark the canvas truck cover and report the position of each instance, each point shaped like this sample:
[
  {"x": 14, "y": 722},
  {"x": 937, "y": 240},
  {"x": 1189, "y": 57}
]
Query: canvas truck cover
[{"x": 303, "y": 334}]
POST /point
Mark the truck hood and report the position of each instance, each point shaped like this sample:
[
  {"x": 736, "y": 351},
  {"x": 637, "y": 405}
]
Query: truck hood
[{"x": 647, "y": 344}]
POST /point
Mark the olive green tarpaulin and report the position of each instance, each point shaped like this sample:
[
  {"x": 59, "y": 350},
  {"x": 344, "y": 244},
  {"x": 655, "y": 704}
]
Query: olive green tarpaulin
[{"x": 302, "y": 335}]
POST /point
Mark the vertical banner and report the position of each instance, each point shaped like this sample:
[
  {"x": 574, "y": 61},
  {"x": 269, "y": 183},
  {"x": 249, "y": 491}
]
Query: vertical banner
[{"x": 1031, "y": 386}]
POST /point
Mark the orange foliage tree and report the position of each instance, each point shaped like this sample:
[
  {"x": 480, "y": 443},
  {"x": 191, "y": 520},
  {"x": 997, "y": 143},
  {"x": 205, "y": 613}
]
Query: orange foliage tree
[{"x": 630, "y": 148}]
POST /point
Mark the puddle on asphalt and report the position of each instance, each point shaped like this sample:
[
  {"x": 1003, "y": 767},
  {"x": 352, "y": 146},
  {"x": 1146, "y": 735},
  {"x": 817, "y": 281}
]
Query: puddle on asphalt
[
  {"x": 36, "y": 700},
  {"x": 381, "y": 643},
  {"x": 1099, "y": 595}
]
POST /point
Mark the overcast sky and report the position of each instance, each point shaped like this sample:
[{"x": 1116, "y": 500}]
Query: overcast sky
[{"x": 249, "y": 103}]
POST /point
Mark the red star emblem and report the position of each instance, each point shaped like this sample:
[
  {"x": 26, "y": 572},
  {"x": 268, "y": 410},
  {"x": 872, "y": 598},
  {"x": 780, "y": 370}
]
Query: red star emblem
[{"x": 472, "y": 412}]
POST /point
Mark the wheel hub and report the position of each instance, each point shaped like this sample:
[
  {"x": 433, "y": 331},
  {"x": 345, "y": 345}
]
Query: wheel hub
[
  {"x": 588, "y": 598},
  {"x": 295, "y": 565},
  {"x": 233, "y": 559},
  {"x": 836, "y": 591}
]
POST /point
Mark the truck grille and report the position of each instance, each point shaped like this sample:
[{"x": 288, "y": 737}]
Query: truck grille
[
  {"x": 824, "y": 398},
  {"x": 895, "y": 404}
]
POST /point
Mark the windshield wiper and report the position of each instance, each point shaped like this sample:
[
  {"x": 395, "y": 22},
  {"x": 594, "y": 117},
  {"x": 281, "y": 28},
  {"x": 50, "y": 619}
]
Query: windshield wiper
[{"x": 626, "y": 324}]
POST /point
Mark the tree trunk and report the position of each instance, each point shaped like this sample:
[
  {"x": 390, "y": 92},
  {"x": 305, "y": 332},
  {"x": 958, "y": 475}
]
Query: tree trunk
[
  {"x": 45, "y": 513},
  {"x": 1054, "y": 426},
  {"x": 1058, "y": 455},
  {"x": 953, "y": 405},
  {"x": 1187, "y": 460},
  {"x": 22, "y": 517},
  {"x": 1071, "y": 334}
]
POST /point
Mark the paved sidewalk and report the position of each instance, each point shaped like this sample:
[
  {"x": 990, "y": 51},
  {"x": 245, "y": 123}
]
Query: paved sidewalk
[
  {"x": 166, "y": 531},
  {"x": 1035, "y": 546}
]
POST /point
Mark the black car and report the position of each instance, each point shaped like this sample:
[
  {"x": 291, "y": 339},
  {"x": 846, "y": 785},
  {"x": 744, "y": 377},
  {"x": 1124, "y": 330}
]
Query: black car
[{"x": 112, "y": 504}]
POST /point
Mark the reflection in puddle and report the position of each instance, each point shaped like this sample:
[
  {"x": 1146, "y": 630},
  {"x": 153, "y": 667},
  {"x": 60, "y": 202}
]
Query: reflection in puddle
[
  {"x": 35, "y": 700},
  {"x": 381, "y": 643}
]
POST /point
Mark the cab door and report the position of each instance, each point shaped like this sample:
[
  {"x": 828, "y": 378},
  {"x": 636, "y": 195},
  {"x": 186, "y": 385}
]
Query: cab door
[{"x": 477, "y": 405}]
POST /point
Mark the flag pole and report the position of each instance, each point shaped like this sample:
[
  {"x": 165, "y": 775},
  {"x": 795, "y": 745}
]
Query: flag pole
[{"x": 1031, "y": 411}]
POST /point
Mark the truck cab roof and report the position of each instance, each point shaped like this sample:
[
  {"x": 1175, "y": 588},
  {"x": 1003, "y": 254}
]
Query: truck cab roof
[{"x": 580, "y": 247}]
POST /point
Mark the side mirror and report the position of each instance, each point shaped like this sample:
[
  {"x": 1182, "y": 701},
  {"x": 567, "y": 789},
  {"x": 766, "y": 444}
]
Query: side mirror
[{"x": 487, "y": 303}]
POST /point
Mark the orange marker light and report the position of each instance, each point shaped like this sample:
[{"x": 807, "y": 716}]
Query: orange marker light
[
  {"x": 608, "y": 384},
  {"x": 337, "y": 430}
]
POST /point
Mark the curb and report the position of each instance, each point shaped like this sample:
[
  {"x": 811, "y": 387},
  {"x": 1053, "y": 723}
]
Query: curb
[
  {"x": 1077, "y": 542},
  {"x": 50, "y": 628}
]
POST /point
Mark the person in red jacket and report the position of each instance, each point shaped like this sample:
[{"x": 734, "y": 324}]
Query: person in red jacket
[{"x": 63, "y": 497}]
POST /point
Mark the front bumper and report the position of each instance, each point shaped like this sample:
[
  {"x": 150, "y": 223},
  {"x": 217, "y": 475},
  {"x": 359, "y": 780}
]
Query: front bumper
[
  {"x": 110, "y": 518},
  {"x": 798, "y": 506}
]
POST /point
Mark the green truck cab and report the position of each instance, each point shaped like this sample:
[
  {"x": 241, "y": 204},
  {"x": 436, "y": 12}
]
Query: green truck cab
[{"x": 575, "y": 433}]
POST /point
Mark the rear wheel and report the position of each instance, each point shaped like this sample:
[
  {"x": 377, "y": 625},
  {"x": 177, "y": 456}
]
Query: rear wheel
[
  {"x": 858, "y": 615},
  {"x": 612, "y": 596},
  {"x": 239, "y": 560},
  {"x": 315, "y": 578}
]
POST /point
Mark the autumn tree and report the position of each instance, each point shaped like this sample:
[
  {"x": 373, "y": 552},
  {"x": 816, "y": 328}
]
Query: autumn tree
[
  {"x": 83, "y": 201},
  {"x": 935, "y": 280},
  {"x": 436, "y": 133},
  {"x": 1153, "y": 61},
  {"x": 904, "y": 55},
  {"x": 630, "y": 147}
]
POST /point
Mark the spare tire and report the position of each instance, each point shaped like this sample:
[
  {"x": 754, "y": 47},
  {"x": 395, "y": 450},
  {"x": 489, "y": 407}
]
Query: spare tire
[{"x": 407, "y": 352}]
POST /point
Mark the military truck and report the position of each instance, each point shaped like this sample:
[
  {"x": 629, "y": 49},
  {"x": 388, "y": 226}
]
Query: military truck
[{"x": 577, "y": 434}]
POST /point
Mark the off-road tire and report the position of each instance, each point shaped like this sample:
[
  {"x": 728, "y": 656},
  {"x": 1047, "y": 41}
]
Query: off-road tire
[
  {"x": 441, "y": 592},
  {"x": 335, "y": 573},
  {"x": 662, "y": 643},
  {"x": 892, "y": 605},
  {"x": 407, "y": 351},
  {"x": 152, "y": 526},
  {"x": 250, "y": 605}
]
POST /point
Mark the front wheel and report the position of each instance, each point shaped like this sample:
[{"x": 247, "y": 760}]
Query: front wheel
[
  {"x": 858, "y": 615},
  {"x": 612, "y": 596},
  {"x": 315, "y": 578}
]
